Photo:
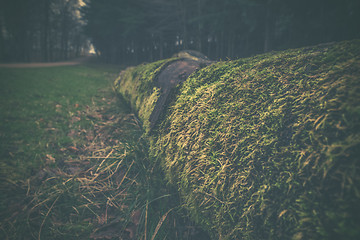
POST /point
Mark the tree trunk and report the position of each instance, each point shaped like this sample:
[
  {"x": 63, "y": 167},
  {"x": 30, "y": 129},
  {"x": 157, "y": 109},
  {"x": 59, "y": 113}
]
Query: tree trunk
[
  {"x": 161, "y": 47},
  {"x": 183, "y": 20},
  {"x": 45, "y": 31},
  {"x": 268, "y": 18},
  {"x": 2, "y": 41},
  {"x": 199, "y": 43},
  {"x": 64, "y": 35}
]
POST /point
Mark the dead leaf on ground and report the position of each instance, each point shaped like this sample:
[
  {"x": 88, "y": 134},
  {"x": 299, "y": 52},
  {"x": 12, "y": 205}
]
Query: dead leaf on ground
[
  {"x": 95, "y": 115},
  {"x": 75, "y": 119},
  {"x": 58, "y": 107},
  {"x": 73, "y": 149},
  {"x": 49, "y": 159},
  {"x": 62, "y": 149},
  {"x": 102, "y": 219}
]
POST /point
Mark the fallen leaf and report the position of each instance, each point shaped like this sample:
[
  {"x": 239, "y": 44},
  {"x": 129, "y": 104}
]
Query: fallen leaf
[
  {"x": 50, "y": 159},
  {"x": 75, "y": 119},
  {"x": 102, "y": 219},
  {"x": 72, "y": 148},
  {"x": 94, "y": 115}
]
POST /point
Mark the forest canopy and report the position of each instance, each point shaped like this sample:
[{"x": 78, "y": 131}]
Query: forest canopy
[{"x": 133, "y": 31}]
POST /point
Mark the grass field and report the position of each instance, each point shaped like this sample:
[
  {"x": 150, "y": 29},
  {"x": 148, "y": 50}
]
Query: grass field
[
  {"x": 48, "y": 118},
  {"x": 38, "y": 107},
  {"x": 74, "y": 163}
]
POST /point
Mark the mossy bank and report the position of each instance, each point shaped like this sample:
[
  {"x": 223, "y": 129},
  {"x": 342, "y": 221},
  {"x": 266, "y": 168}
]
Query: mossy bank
[
  {"x": 138, "y": 87},
  {"x": 265, "y": 147}
]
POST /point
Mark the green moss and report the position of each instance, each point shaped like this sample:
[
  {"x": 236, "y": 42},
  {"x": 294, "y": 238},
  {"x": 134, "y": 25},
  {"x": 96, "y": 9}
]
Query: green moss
[
  {"x": 266, "y": 147},
  {"x": 137, "y": 86}
]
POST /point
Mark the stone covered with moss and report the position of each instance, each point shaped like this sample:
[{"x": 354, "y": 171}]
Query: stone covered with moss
[{"x": 267, "y": 147}]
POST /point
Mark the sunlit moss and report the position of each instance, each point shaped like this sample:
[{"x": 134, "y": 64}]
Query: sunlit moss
[
  {"x": 266, "y": 147},
  {"x": 138, "y": 87}
]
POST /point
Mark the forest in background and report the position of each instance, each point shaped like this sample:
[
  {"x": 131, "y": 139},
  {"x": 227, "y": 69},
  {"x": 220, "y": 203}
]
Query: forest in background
[
  {"x": 41, "y": 30},
  {"x": 135, "y": 31}
]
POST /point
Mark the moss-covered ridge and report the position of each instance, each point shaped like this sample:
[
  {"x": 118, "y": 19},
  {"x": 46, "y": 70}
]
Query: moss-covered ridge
[
  {"x": 137, "y": 86},
  {"x": 268, "y": 147},
  {"x": 148, "y": 87}
]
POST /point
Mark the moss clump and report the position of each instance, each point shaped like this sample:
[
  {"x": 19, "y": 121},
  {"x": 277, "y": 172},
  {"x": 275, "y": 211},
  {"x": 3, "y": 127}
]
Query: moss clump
[
  {"x": 137, "y": 85},
  {"x": 268, "y": 147}
]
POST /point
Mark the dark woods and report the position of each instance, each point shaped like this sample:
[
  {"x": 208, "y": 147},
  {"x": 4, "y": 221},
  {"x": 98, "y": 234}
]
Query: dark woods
[
  {"x": 40, "y": 30},
  {"x": 134, "y": 31},
  {"x": 146, "y": 30}
]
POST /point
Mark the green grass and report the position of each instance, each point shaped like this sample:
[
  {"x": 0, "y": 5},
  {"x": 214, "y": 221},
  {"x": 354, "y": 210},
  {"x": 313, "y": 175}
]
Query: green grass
[
  {"x": 41, "y": 111},
  {"x": 74, "y": 163},
  {"x": 37, "y": 108}
]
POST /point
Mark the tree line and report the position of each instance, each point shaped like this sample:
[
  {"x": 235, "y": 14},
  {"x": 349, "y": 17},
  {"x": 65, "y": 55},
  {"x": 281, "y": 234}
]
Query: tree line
[
  {"x": 40, "y": 30},
  {"x": 133, "y": 31}
]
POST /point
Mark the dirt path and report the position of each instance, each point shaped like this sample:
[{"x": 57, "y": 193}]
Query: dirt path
[{"x": 76, "y": 61}]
